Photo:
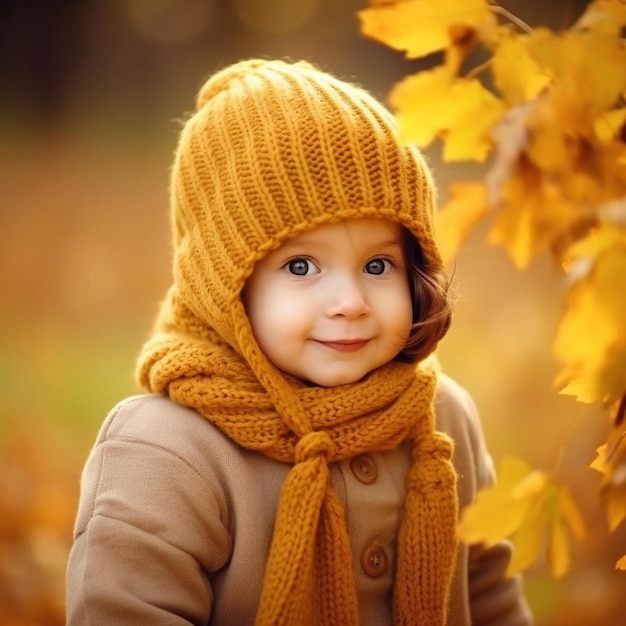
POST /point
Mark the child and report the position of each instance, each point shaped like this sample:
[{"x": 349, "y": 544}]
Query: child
[{"x": 293, "y": 463}]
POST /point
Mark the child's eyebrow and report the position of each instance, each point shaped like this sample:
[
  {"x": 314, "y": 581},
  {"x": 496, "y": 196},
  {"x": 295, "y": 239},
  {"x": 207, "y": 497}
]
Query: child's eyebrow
[
  {"x": 387, "y": 243},
  {"x": 295, "y": 247},
  {"x": 303, "y": 242},
  {"x": 382, "y": 244}
]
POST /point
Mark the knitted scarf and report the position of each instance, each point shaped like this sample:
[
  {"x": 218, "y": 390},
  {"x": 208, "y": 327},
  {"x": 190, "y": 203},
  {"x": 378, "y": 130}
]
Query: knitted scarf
[{"x": 308, "y": 577}]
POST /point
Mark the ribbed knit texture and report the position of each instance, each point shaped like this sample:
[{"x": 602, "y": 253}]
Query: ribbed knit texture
[{"x": 275, "y": 149}]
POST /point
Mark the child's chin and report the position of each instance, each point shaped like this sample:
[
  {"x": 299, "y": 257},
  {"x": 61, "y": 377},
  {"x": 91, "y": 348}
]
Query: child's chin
[{"x": 335, "y": 380}]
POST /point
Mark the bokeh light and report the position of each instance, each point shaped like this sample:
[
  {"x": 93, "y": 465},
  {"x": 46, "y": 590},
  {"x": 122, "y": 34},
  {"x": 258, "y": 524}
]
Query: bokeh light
[
  {"x": 276, "y": 17},
  {"x": 170, "y": 21}
]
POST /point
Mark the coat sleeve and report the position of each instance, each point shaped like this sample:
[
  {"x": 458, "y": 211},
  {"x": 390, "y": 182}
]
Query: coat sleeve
[
  {"x": 494, "y": 598},
  {"x": 150, "y": 528}
]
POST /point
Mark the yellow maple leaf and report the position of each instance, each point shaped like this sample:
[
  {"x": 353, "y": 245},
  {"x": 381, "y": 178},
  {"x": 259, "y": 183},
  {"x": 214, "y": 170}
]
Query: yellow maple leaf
[
  {"x": 500, "y": 510},
  {"x": 616, "y": 507},
  {"x": 524, "y": 506},
  {"x": 559, "y": 555},
  {"x": 528, "y": 539},
  {"x": 607, "y": 16},
  {"x": 467, "y": 204},
  {"x": 571, "y": 513},
  {"x": 517, "y": 75},
  {"x": 554, "y": 513},
  {"x": 558, "y": 129},
  {"x": 417, "y": 102},
  {"x": 472, "y": 111},
  {"x": 534, "y": 215},
  {"x": 421, "y": 27},
  {"x": 562, "y": 125},
  {"x": 590, "y": 340},
  {"x": 611, "y": 463},
  {"x": 434, "y": 103},
  {"x": 621, "y": 564},
  {"x": 565, "y": 516},
  {"x": 573, "y": 59},
  {"x": 607, "y": 125}
]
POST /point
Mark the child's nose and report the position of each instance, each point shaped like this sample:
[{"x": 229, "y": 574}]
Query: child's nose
[{"x": 347, "y": 299}]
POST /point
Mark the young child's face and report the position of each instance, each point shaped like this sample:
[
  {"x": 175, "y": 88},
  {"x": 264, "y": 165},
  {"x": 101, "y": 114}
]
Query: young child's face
[{"x": 334, "y": 303}]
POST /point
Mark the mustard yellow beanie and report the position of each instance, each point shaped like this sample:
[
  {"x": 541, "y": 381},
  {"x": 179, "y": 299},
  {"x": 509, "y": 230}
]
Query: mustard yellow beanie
[{"x": 274, "y": 149}]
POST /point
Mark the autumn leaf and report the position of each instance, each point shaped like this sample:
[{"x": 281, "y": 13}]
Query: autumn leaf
[
  {"x": 534, "y": 214},
  {"x": 590, "y": 340},
  {"x": 571, "y": 513},
  {"x": 601, "y": 90},
  {"x": 607, "y": 125},
  {"x": 616, "y": 507},
  {"x": 456, "y": 219},
  {"x": 472, "y": 111},
  {"x": 621, "y": 564},
  {"x": 421, "y": 27},
  {"x": 528, "y": 539},
  {"x": 559, "y": 556},
  {"x": 573, "y": 59},
  {"x": 611, "y": 463},
  {"x": 500, "y": 510},
  {"x": 565, "y": 517},
  {"x": 606, "y": 16},
  {"x": 434, "y": 104},
  {"x": 525, "y": 506},
  {"x": 417, "y": 102},
  {"x": 559, "y": 130},
  {"x": 517, "y": 75}
]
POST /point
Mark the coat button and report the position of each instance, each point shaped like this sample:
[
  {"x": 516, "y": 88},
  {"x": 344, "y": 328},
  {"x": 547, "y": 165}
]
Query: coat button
[
  {"x": 364, "y": 469},
  {"x": 374, "y": 561}
]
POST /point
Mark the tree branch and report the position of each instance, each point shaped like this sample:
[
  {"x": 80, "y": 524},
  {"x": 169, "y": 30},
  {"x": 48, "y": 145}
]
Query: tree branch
[{"x": 498, "y": 10}]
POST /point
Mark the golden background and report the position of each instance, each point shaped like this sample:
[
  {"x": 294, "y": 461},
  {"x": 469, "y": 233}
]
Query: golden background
[{"x": 91, "y": 97}]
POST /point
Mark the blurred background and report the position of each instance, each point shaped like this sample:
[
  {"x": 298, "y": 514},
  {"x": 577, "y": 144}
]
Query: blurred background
[{"x": 92, "y": 95}]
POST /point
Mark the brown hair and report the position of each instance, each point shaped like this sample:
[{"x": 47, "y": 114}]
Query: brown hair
[{"x": 432, "y": 305}]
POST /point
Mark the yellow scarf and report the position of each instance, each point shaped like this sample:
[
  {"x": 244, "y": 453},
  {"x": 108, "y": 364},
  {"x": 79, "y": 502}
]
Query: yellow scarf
[{"x": 308, "y": 577}]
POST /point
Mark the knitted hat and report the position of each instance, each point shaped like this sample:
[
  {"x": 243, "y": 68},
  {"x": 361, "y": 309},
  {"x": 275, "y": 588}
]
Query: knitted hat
[{"x": 275, "y": 149}]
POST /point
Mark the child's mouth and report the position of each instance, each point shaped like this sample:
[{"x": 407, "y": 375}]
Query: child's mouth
[{"x": 352, "y": 345}]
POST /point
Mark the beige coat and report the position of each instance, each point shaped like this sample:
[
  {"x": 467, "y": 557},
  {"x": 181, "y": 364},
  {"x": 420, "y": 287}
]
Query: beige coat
[{"x": 175, "y": 521}]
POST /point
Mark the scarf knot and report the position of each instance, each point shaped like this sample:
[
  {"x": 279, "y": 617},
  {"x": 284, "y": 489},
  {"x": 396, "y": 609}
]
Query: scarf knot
[
  {"x": 437, "y": 446},
  {"x": 315, "y": 443}
]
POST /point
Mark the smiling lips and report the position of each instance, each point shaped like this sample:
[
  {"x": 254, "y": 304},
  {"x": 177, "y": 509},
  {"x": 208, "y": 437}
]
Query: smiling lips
[{"x": 352, "y": 345}]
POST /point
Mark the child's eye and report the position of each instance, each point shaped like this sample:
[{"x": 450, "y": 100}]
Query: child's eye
[
  {"x": 378, "y": 266},
  {"x": 301, "y": 267}
]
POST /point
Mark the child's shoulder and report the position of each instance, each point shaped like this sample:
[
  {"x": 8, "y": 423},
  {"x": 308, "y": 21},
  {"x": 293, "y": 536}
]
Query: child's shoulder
[
  {"x": 455, "y": 410},
  {"x": 148, "y": 416},
  {"x": 452, "y": 398},
  {"x": 457, "y": 416},
  {"x": 155, "y": 420}
]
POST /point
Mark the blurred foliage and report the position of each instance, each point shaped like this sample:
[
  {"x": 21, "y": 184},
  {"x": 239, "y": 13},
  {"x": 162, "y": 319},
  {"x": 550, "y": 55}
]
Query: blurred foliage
[
  {"x": 37, "y": 500},
  {"x": 524, "y": 504},
  {"x": 53, "y": 388},
  {"x": 91, "y": 95},
  {"x": 554, "y": 128}
]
